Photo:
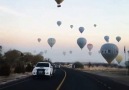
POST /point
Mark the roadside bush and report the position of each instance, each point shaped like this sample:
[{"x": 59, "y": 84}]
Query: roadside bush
[
  {"x": 19, "y": 68},
  {"x": 4, "y": 69},
  {"x": 29, "y": 68},
  {"x": 78, "y": 65}
]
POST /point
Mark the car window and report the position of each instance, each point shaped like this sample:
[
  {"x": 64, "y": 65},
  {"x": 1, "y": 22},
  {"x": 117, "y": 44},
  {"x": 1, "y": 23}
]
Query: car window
[{"x": 42, "y": 65}]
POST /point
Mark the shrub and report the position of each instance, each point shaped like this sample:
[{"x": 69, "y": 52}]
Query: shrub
[
  {"x": 29, "y": 68},
  {"x": 78, "y": 65},
  {"x": 19, "y": 68},
  {"x": 4, "y": 69}
]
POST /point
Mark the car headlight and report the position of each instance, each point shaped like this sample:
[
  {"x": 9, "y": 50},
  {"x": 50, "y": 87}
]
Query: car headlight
[{"x": 34, "y": 71}]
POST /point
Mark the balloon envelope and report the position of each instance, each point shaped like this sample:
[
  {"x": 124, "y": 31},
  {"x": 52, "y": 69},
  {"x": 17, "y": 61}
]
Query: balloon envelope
[
  {"x": 127, "y": 63},
  {"x": 118, "y": 38},
  {"x": 39, "y": 39},
  {"x": 119, "y": 58},
  {"x": 81, "y": 42},
  {"x": 81, "y": 29},
  {"x": 106, "y": 38},
  {"x": 95, "y": 25},
  {"x": 71, "y": 26},
  {"x": 64, "y": 53},
  {"x": 58, "y": 23},
  {"x": 109, "y": 51},
  {"x": 70, "y": 52},
  {"x": 89, "y": 46},
  {"x": 51, "y": 42},
  {"x": 90, "y": 53},
  {"x": 59, "y": 2}
]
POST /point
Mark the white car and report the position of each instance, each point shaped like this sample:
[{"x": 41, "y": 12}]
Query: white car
[{"x": 43, "y": 69}]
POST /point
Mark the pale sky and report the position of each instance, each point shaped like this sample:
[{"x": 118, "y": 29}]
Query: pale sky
[{"x": 22, "y": 22}]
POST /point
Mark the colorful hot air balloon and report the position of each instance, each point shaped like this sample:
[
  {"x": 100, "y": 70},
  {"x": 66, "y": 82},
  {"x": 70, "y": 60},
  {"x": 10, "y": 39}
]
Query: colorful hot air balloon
[
  {"x": 39, "y": 39},
  {"x": 89, "y": 46},
  {"x": 59, "y": 23},
  {"x": 81, "y": 29},
  {"x": 59, "y": 2},
  {"x": 106, "y": 38},
  {"x": 119, "y": 58},
  {"x": 109, "y": 51},
  {"x": 51, "y": 41},
  {"x": 81, "y": 42},
  {"x": 118, "y": 38}
]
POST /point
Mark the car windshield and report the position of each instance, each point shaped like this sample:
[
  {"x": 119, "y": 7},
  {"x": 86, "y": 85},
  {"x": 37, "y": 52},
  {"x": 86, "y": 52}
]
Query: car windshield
[{"x": 42, "y": 65}]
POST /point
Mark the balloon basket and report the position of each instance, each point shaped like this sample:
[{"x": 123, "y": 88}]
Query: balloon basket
[{"x": 59, "y": 5}]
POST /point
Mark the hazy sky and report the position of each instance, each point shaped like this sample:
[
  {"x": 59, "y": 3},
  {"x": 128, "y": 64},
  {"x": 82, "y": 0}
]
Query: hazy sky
[{"x": 23, "y": 21}]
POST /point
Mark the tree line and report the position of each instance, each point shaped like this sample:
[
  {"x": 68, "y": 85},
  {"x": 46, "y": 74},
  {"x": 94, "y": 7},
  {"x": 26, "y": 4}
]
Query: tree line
[{"x": 15, "y": 61}]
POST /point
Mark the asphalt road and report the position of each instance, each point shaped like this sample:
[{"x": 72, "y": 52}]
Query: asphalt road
[{"x": 66, "y": 79}]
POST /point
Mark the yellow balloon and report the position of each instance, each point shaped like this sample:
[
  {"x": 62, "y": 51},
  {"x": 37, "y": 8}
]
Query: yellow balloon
[{"x": 119, "y": 58}]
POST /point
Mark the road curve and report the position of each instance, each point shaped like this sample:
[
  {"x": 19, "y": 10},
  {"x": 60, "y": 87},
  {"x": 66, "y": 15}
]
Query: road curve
[
  {"x": 36, "y": 84},
  {"x": 67, "y": 79},
  {"x": 78, "y": 80}
]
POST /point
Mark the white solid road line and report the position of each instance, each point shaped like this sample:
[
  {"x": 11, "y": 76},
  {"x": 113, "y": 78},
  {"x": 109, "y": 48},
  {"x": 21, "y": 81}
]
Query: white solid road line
[{"x": 58, "y": 88}]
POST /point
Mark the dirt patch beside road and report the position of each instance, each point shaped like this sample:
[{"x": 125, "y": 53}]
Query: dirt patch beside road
[{"x": 12, "y": 77}]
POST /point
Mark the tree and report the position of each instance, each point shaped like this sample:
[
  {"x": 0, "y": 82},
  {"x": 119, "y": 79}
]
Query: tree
[
  {"x": 37, "y": 58},
  {"x": 4, "y": 68},
  {"x": 12, "y": 56}
]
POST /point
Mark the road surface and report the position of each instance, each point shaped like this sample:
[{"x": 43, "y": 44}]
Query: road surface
[{"x": 66, "y": 79}]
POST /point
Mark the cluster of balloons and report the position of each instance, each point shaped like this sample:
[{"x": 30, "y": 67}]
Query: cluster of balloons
[
  {"x": 118, "y": 38},
  {"x": 64, "y": 53}
]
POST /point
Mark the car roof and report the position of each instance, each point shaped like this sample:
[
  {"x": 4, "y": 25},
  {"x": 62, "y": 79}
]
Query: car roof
[{"x": 43, "y": 62}]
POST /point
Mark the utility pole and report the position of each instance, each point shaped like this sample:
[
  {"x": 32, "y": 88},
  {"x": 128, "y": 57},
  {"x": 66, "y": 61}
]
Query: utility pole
[{"x": 128, "y": 62}]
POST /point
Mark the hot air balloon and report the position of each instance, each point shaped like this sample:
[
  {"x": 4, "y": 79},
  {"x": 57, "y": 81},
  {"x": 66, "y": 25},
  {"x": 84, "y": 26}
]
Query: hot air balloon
[
  {"x": 0, "y": 48},
  {"x": 71, "y": 26},
  {"x": 51, "y": 42},
  {"x": 106, "y": 38},
  {"x": 90, "y": 53},
  {"x": 81, "y": 29},
  {"x": 119, "y": 58},
  {"x": 109, "y": 51},
  {"x": 89, "y": 46},
  {"x": 58, "y": 23},
  {"x": 81, "y": 42},
  {"x": 95, "y": 25},
  {"x": 127, "y": 63},
  {"x": 70, "y": 52},
  {"x": 64, "y": 53},
  {"x": 59, "y": 2},
  {"x": 118, "y": 38},
  {"x": 45, "y": 51},
  {"x": 39, "y": 39},
  {"x": 41, "y": 53}
]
